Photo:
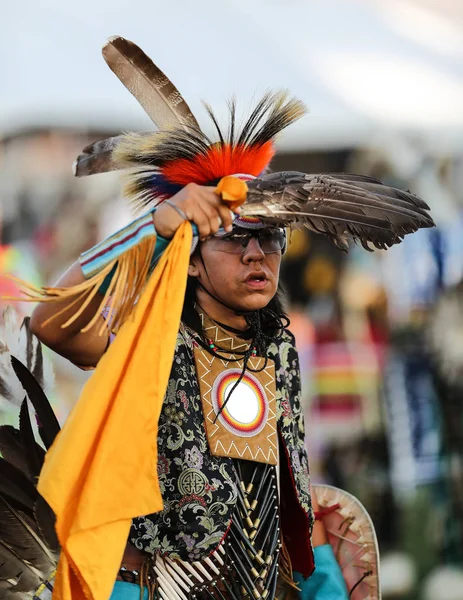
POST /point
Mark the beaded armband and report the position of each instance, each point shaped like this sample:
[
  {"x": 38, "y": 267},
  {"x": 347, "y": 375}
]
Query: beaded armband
[
  {"x": 109, "y": 250},
  {"x": 116, "y": 271}
]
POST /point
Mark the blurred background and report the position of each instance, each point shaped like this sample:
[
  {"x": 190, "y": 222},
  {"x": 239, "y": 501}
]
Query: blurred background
[{"x": 380, "y": 335}]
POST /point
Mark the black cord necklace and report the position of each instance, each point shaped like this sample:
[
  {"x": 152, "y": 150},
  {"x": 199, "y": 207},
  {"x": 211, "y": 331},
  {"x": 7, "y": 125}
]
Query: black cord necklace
[{"x": 259, "y": 343}]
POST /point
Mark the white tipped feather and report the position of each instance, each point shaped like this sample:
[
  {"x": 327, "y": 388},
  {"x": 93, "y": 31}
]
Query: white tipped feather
[
  {"x": 17, "y": 340},
  {"x": 11, "y": 391}
]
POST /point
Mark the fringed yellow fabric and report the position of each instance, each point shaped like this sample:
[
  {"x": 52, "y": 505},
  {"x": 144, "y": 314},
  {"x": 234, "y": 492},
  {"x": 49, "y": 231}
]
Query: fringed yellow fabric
[
  {"x": 129, "y": 279},
  {"x": 102, "y": 469}
]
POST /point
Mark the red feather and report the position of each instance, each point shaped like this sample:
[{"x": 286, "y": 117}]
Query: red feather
[{"x": 219, "y": 160}]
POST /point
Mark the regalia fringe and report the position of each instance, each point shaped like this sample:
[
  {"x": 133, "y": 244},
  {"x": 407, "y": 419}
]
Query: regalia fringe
[{"x": 130, "y": 273}]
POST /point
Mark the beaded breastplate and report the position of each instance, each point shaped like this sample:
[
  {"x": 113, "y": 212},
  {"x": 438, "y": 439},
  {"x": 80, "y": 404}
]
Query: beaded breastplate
[{"x": 248, "y": 563}]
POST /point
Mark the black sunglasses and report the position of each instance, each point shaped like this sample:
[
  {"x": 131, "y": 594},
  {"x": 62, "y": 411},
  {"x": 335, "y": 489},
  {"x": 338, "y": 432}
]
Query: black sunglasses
[{"x": 270, "y": 240}]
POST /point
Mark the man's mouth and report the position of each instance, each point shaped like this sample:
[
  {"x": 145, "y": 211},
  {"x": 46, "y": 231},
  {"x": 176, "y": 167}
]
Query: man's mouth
[{"x": 256, "y": 280}]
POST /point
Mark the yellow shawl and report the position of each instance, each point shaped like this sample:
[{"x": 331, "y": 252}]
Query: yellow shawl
[{"x": 101, "y": 472}]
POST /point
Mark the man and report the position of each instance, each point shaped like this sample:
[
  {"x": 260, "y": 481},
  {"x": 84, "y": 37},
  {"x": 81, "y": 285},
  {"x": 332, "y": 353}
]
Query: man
[
  {"x": 233, "y": 278},
  {"x": 236, "y": 517}
]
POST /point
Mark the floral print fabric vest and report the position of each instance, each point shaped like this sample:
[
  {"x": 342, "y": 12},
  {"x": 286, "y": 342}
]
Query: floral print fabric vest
[{"x": 198, "y": 489}]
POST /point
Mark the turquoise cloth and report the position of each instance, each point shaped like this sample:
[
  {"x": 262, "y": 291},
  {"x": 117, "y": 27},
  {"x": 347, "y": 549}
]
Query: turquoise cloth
[
  {"x": 326, "y": 582},
  {"x": 161, "y": 245},
  {"x": 127, "y": 591}
]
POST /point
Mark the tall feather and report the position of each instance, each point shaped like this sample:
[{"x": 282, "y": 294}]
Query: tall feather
[
  {"x": 147, "y": 83},
  {"x": 341, "y": 207}
]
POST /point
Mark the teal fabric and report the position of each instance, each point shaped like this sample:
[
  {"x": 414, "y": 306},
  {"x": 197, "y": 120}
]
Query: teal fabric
[
  {"x": 326, "y": 582},
  {"x": 161, "y": 245},
  {"x": 127, "y": 591}
]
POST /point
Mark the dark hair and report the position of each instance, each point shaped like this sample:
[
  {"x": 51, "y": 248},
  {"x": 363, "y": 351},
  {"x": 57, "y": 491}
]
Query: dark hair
[{"x": 271, "y": 319}]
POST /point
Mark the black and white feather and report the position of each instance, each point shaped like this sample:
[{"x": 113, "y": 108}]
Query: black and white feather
[{"x": 17, "y": 340}]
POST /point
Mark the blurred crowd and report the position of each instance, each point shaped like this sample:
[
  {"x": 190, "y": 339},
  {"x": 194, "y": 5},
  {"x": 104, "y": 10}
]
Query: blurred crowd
[{"x": 378, "y": 335}]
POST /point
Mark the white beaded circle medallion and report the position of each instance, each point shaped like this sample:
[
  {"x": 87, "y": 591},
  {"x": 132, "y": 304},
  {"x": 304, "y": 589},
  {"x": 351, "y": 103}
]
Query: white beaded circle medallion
[{"x": 246, "y": 411}]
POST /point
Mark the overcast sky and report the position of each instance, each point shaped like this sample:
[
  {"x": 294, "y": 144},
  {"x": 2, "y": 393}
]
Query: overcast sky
[{"x": 359, "y": 65}]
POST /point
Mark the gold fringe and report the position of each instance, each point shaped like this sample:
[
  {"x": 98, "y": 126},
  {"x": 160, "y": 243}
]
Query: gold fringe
[
  {"x": 285, "y": 572},
  {"x": 127, "y": 283}
]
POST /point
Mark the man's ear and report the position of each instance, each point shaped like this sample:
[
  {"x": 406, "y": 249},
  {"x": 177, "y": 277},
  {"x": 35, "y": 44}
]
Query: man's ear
[{"x": 193, "y": 270}]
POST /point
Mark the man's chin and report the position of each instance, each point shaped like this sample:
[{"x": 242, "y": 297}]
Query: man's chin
[{"x": 252, "y": 302}]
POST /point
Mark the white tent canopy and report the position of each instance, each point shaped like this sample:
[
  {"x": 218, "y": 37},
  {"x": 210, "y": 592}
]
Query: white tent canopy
[{"x": 363, "y": 68}]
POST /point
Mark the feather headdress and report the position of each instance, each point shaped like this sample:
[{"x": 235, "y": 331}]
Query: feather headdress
[
  {"x": 341, "y": 206},
  {"x": 180, "y": 153},
  {"x": 160, "y": 163}
]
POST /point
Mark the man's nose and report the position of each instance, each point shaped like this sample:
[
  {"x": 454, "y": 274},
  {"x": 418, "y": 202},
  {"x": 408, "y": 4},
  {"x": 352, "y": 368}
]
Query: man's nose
[{"x": 253, "y": 251}]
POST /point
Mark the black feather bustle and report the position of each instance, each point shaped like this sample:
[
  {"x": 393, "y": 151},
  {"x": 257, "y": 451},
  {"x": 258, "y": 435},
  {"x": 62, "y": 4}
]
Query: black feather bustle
[
  {"x": 29, "y": 548},
  {"x": 17, "y": 487},
  {"x": 11, "y": 447},
  {"x": 35, "y": 455},
  {"x": 45, "y": 520}
]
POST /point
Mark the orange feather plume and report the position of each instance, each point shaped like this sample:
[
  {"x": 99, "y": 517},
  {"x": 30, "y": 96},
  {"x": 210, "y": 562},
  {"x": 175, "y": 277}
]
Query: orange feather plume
[{"x": 220, "y": 160}]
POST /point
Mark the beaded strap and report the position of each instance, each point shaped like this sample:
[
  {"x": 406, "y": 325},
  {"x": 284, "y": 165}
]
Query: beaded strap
[{"x": 97, "y": 258}]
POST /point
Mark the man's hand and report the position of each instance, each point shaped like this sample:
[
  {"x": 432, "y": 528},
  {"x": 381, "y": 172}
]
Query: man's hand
[{"x": 202, "y": 205}]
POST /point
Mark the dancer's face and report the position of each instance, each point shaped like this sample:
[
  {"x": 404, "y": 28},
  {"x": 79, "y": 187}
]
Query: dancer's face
[{"x": 240, "y": 270}]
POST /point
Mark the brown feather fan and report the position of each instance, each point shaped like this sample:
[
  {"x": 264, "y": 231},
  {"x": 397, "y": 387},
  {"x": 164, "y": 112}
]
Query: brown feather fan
[{"x": 341, "y": 206}]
